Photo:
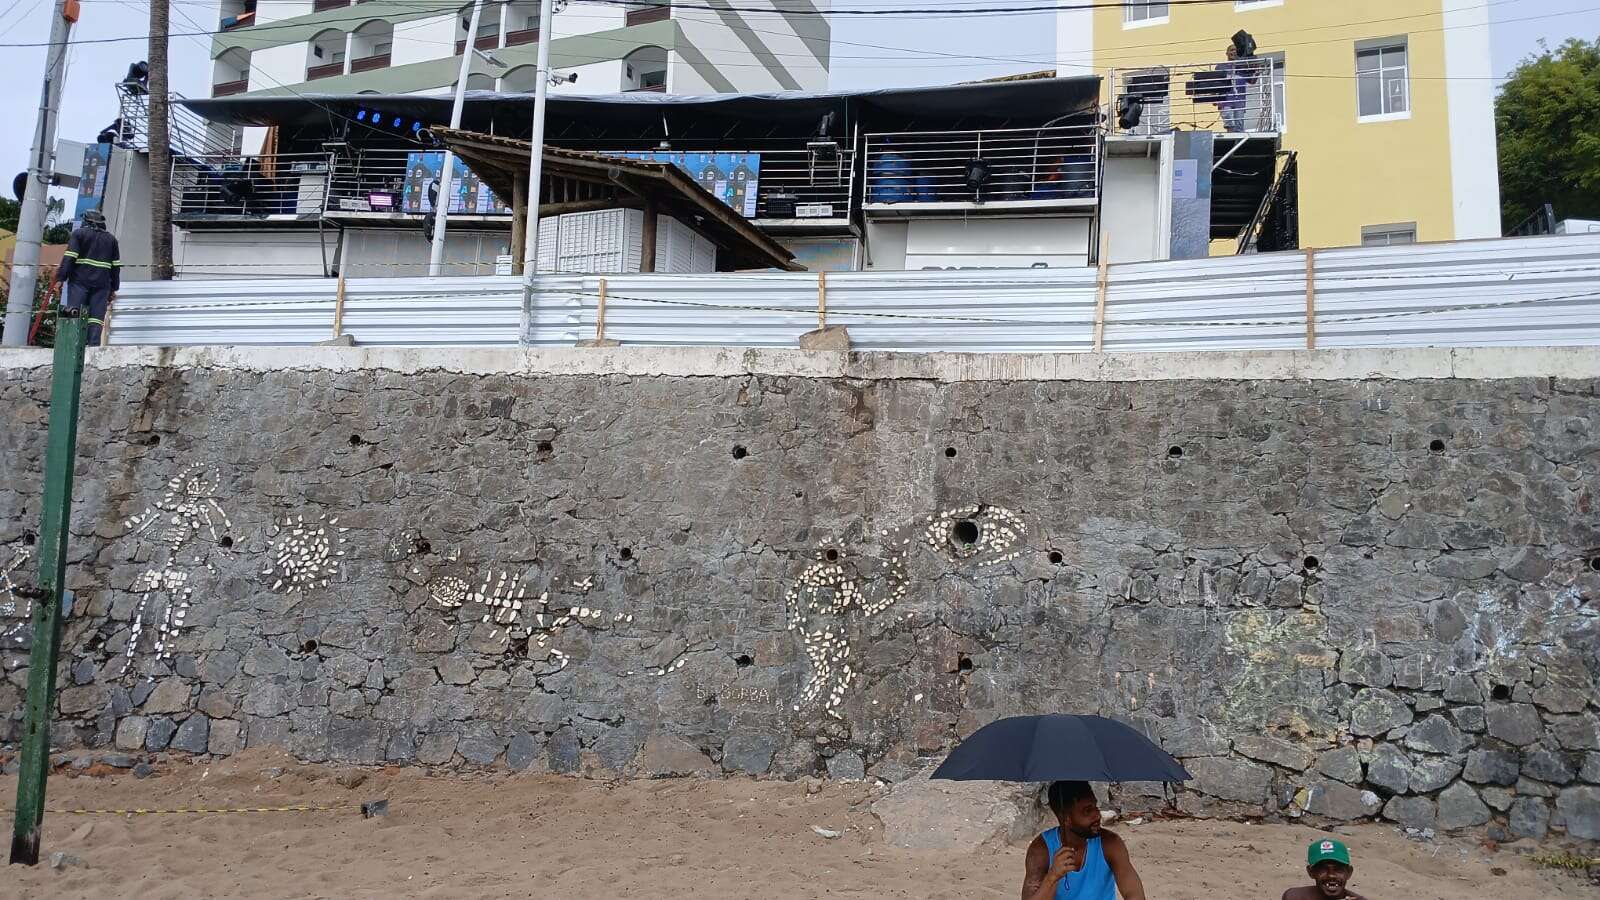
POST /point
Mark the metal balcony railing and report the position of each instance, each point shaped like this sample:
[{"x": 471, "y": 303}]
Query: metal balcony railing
[
  {"x": 188, "y": 133},
  {"x": 224, "y": 185},
  {"x": 1232, "y": 96},
  {"x": 396, "y": 181},
  {"x": 648, "y": 89},
  {"x": 806, "y": 185},
  {"x": 1049, "y": 165}
]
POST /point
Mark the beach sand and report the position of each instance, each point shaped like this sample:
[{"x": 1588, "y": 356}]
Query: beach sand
[{"x": 545, "y": 836}]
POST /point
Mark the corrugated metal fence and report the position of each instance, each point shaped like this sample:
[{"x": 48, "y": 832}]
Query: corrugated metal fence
[{"x": 1513, "y": 292}]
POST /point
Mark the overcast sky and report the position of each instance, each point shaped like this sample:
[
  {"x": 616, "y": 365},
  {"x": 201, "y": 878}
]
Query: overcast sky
[{"x": 868, "y": 52}]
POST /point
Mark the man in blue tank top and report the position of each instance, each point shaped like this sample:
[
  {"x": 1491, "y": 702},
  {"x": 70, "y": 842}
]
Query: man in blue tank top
[{"x": 1078, "y": 860}]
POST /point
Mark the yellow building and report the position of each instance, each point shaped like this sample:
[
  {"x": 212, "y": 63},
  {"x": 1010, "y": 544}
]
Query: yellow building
[{"x": 1388, "y": 103}]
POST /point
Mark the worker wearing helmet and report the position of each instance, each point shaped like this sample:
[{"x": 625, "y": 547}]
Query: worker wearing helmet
[{"x": 91, "y": 273}]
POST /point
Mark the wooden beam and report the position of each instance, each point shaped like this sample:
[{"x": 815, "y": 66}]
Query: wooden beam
[
  {"x": 338, "y": 307},
  {"x": 519, "y": 223},
  {"x": 573, "y": 206},
  {"x": 647, "y": 243}
]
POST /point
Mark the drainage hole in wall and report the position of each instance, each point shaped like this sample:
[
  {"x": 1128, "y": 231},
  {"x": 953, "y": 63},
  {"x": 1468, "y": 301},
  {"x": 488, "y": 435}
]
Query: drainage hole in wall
[
  {"x": 743, "y": 660},
  {"x": 546, "y": 447},
  {"x": 421, "y": 545},
  {"x": 152, "y": 440},
  {"x": 964, "y": 663},
  {"x": 308, "y": 647},
  {"x": 1594, "y": 561},
  {"x": 711, "y": 700},
  {"x": 1500, "y": 692},
  {"x": 626, "y": 553},
  {"x": 356, "y": 441},
  {"x": 831, "y": 555},
  {"x": 965, "y": 532},
  {"x": 739, "y": 452},
  {"x": 1436, "y": 445},
  {"x": 1312, "y": 563},
  {"x": 226, "y": 542},
  {"x": 29, "y": 537},
  {"x": 950, "y": 452},
  {"x": 1174, "y": 452},
  {"x": 1055, "y": 557}
]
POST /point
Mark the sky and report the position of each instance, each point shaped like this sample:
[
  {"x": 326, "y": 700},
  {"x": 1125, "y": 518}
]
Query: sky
[{"x": 868, "y": 51}]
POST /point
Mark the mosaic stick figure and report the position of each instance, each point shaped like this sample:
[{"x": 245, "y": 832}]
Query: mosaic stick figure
[
  {"x": 819, "y": 606},
  {"x": 9, "y": 601},
  {"x": 178, "y": 524},
  {"x": 517, "y": 617}
]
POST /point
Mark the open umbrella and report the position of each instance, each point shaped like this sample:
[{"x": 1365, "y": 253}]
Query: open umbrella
[{"x": 1059, "y": 748}]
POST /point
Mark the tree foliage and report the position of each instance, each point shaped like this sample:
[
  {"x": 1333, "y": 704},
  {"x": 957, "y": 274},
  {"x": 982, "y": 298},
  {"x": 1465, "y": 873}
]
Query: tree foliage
[{"x": 1548, "y": 119}]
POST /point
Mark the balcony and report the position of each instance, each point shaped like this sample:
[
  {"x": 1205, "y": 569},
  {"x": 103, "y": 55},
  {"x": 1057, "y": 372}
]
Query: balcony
[
  {"x": 214, "y": 186},
  {"x": 1227, "y": 97},
  {"x": 1012, "y": 170},
  {"x": 486, "y": 42},
  {"x": 648, "y": 89},
  {"x": 525, "y": 36},
  {"x": 369, "y": 63},
  {"x": 646, "y": 15},
  {"x": 324, "y": 5},
  {"x": 326, "y": 71},
  {"x": 229, "y": 88}
]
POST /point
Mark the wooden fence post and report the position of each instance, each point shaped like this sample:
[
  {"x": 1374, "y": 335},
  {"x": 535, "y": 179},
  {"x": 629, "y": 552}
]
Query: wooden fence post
[
  {"x": 338, "y": 306},
  {"x": 600, "y": 315},
  {"x": 1100, "y": 293},
  {"x": 1311, "y": 298},
  {"x": 822, "y": 301}
]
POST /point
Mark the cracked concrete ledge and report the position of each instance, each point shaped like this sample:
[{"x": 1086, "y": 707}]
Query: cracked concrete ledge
[{"x": 722, "y": 362}]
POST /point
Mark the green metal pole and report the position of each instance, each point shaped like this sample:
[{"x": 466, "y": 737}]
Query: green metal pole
[{"x": 66, "y": 380}]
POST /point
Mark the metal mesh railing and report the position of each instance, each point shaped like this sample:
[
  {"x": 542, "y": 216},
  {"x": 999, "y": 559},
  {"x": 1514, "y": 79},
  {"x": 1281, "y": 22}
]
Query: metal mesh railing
[
  {"x": 1230, "y": 96},
  {"x": 1050, "y": 164}
]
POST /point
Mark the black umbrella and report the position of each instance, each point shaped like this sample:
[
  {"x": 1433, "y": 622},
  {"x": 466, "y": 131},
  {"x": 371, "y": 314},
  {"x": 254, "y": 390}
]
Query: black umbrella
[{"x": 1059, "y": 748}]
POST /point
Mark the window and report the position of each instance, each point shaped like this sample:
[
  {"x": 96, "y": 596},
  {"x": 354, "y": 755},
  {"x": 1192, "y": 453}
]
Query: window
[
  {"x": 382, "y": 49},
  {"x": 1140, "y": 12},
  {"x": 1387, "y": 235},
  {"x": 1382, "y": 85},
  {"x": 338, "y": 56}
]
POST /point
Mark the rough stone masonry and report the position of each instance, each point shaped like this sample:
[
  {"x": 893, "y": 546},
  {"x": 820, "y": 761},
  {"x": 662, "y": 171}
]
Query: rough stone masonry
[{"x": 1342, "y": 596}]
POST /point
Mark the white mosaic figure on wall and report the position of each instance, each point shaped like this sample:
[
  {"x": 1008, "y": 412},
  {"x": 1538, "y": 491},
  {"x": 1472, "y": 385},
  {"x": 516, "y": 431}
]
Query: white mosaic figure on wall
[
  {"x": 185, "y": 525},
  {"x": 519, "y": 620},
  {"x": 12, "y": 606},
  {"x": 829, "y": 600},
  {"x": 305, "y": 555}
]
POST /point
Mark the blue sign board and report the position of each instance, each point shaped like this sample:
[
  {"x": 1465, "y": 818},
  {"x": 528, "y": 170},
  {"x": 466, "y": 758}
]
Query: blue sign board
[{"x": 731, "y": 177}]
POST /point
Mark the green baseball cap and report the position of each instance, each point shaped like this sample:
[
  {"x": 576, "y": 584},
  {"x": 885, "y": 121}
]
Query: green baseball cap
[{"x": 1324, "y": 849}]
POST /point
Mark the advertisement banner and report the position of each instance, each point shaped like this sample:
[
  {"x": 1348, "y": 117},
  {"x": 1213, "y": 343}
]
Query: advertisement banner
[
  {"x": 732, "y": 178},
  {"x": 470, "y": 196},
  {"x": 92, "y": 187}
]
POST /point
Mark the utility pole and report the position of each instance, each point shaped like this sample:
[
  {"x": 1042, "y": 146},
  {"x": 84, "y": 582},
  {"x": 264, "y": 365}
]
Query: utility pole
[
  {"x": 66, "y": 380},
  {"x": 541, "y": 89},
  {"x": 160, "y": 147},
  {"x": 30, "y": 225},
  {"x": 441, "y": 212}
]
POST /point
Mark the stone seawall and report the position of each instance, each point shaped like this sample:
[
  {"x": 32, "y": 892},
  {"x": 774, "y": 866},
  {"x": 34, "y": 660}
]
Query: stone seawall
[{"x": 1337, "y": 585}]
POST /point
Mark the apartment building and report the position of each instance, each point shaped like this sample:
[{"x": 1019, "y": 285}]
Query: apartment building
[
  {"x": 1388, "y": 104},
  {"x": 415, "y": 47}
]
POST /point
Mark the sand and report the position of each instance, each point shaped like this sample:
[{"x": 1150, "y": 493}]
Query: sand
[{"x": 547, "y": 836}]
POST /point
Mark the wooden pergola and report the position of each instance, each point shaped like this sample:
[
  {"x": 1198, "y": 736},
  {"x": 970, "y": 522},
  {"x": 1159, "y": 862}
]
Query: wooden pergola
[{"x": 584, "y": 181}]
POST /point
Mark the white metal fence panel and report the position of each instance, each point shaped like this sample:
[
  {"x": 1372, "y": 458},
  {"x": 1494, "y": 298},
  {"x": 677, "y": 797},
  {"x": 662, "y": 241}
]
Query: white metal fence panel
[{"x": 1511, "y": 292}]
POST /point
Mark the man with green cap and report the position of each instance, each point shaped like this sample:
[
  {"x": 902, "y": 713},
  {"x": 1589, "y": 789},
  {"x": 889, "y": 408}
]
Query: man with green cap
[{"x": 1328, "y": 864}]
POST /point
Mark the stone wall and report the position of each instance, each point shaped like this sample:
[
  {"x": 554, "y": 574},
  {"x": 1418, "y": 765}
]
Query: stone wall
[{"x": 1342, "y": 595}]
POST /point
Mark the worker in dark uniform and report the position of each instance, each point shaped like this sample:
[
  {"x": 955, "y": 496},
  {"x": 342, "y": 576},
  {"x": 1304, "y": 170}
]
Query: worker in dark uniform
[{"x": 91, "y": 273}]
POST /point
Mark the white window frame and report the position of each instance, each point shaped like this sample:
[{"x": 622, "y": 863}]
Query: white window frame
[
  {"x": 1245, "y": 5},
  {"x": 1400, "y": 42},
  {"x": 1129, "y": 6},
  {"x": 1384, "y": 235}
]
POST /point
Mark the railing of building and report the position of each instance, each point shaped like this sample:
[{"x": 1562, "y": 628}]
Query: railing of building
[
  {"x": 189, "y": 133},
  {"x": 1236, "y": 96},
  {"x": 1541, "y": 221},
  {"x": 1054, "y": 164},
  {"x": 227, "y": 185},
  {"x": 646, "y": 14},
  {"x": 1515, "y": 292}
]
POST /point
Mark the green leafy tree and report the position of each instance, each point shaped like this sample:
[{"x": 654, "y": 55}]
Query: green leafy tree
[{"x": 1548, "y": 119}]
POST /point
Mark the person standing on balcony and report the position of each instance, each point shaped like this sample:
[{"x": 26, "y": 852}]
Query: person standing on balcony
[
  {"x": 91, "y": 272},
  {"x": 1241, "y": 74}
]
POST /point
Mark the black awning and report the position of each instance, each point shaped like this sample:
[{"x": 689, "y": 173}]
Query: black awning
[{"x": 792, "y": 113}]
